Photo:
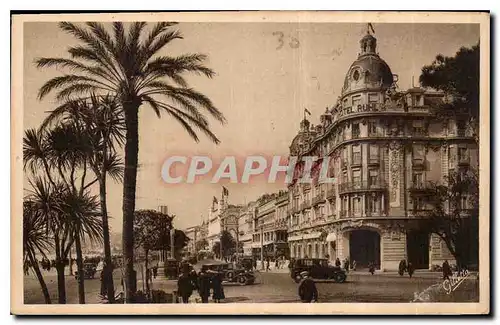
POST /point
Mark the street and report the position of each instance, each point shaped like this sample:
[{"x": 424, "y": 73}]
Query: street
[{"x": 278, "y": 287}]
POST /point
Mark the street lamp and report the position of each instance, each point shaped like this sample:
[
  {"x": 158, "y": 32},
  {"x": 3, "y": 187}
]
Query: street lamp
[{"x": 262, "y": 246}]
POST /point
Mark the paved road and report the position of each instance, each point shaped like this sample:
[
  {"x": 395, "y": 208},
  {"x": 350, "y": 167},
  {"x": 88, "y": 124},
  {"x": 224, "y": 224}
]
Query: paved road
[{"x": 278, "y": 287}]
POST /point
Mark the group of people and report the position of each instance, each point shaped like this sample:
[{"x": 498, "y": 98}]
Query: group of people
[
  {"x": 406, "y": 267},
  {"x": 204, "y": 282},
  {"x": 279, "y": 263}
]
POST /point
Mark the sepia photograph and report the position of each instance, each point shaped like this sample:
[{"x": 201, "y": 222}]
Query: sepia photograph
[{"x": 266, "y": 162}]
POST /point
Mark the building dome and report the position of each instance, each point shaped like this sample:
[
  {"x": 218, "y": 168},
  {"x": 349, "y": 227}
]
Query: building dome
[{"x": 369, "y": 70}]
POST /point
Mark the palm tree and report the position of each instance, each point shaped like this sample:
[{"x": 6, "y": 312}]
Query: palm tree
[
  {"x": 65, "y": 206},
  {"x": 45, "y": 201},
  {"x": 127, "y": 65},
  {"x": 83, "y": 221},
  {"x": 36, "y": 239},
  {"x": 99, "y": 121}
]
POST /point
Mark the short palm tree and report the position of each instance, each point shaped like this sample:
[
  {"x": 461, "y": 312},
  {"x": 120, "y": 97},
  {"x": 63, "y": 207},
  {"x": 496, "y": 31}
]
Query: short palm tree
[
  {"x": 59, "y": 197},
  {"x": 99, "y": 123},
  {"x": 128, "y": 66},
  {"x": 36, "y": 241}
]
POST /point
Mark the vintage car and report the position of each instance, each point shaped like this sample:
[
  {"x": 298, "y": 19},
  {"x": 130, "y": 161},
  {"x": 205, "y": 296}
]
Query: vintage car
[
  {"x": 89, "y": 271},
  {"x": 318, "y": 268},
  {"x": 231, "y": 273}
]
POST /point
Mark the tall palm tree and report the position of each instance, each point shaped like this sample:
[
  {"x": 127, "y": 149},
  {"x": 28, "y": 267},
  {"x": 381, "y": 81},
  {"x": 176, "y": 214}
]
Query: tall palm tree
[
  {"x": 99, "y": 121},
  {"x": 128, "y": 65},
  {"x": 36, "y": 240}
]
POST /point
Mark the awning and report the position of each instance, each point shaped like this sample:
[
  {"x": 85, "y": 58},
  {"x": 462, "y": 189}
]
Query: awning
[
  {"x": 294, "y": 238},
  {"x": 331, "y": 237},
  {"x": 313, "y": 235}
]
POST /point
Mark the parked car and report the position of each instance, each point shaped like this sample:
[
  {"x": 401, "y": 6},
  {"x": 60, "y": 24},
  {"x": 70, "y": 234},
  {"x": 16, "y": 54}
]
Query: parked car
[
  {"x": 89, "y": 271},
  {"x": 231, "y": 273},
  {"x": 318, "y": 268}
]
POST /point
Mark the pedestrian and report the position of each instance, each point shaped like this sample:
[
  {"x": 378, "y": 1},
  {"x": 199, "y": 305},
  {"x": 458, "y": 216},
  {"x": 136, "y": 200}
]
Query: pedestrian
[
  {"x": 184, "y": 285},
  {"x": 346, "y": 265},
  {"x": 155, "y": 271},
  {"x": 218, "y": 289},
  {"x": 277, "y": 264},
  {"x": 204, "y": 283},
  {"x": 354, "y": 265},
  {"x": 446, "y": 270},
  {"x": 337, "y": 262},
  {"x": 371, "y": 268},
  {"x": 104, "y": 287},
  {"x": 410, "y": 269},
  {"x": 402, "y": 267},
  {"x": 267, "y": 265},
  {"x": 254, "y": 263},
  {"x": 307, "y": 288}
]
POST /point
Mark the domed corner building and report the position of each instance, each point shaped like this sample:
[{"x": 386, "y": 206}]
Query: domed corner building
[{"x": 384, "y": 149}]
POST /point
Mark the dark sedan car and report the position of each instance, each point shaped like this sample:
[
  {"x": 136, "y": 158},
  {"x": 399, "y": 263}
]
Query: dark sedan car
[{"x": 318, "y": 268}]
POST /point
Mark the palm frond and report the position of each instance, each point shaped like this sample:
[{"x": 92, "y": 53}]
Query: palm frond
[
  {"x": 190, "y": 120},
  {"x": 72, "y": 65},
  {"x": 61, "y": 81}
]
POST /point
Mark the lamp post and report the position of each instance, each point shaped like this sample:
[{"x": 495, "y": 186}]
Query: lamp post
[{"x": 262, "y": 247}]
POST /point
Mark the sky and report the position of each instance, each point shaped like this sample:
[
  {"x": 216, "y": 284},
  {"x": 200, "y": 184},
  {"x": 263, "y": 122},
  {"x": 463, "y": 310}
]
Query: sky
[{"x": 264, "y": 80}]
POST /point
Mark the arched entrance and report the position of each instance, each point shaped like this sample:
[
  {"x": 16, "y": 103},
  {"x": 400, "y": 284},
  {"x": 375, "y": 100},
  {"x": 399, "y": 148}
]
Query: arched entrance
[{"x": 364, "y": 247}]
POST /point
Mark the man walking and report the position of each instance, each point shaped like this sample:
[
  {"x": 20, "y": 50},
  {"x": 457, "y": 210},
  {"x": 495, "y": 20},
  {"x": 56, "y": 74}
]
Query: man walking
[
  {"x": 307, "y": 288},
  {"x": 204, "y": 285}
]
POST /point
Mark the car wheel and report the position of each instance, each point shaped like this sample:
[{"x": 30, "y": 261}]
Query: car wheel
[
  {"x": 297, "y": 278},
  {"x": 242, "y": 280},
  {"x": 339, "y": 277}
]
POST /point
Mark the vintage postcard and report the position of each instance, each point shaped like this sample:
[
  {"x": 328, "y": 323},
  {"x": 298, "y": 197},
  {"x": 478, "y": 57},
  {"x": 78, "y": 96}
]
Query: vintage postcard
[{"x": 251, "y": 163}]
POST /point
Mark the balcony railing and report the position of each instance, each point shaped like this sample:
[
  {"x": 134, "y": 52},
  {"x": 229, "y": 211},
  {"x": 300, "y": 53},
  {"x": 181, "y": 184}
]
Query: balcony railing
[
  {"x": 318, "y": 198},
  {"x": 420, "y": 212},
  {"x": 362, "y": 186},
  {"x": 282, "y": 197},
  {"x": 421, "y": 186},
  {"x": 418, "y": 132},
  {"x": 355, "y": 134},
  {"x": 343, "y": 214}
]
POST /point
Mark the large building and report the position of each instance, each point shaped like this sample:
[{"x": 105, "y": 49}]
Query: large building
[{"x": 385, "y": 148}]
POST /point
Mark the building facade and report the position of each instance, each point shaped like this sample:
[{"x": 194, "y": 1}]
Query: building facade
[
  {"x": 245, "y": 227},
  {"x": 269, "y": 226},
  {"x": 384, "y": 147}
]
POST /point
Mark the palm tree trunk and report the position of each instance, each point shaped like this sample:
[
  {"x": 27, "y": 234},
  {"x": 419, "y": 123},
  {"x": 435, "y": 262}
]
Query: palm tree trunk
[
  {"x": 39, "y": 275},
  {"x": 61, "y": 281},
  {"x": 81, "y": 271},
  {"x": 108, "y": 270},
  {"x": 129, "y": 187}
]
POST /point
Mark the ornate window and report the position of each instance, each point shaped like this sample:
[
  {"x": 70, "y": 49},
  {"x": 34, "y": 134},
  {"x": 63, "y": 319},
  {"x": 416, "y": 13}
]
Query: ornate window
[{"x": 355, "y": 75}]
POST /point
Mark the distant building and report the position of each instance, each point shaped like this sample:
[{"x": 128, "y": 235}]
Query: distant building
[{"x": 270, "y": 229}]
